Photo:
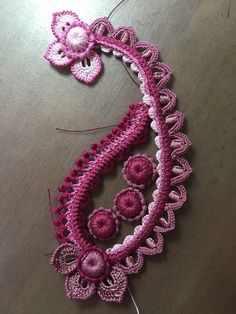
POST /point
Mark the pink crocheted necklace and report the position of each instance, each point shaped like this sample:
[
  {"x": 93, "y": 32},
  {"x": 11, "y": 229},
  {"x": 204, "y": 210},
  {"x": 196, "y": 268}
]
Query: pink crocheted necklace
[{"x": 87, "y": 268}]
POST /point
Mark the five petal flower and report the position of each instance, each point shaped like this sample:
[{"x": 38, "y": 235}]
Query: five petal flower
[{"x": 89, "y": 271}]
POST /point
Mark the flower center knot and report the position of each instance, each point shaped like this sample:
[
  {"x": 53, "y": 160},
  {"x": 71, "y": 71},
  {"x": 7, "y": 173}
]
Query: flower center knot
[{"x": 77, "y": 39}]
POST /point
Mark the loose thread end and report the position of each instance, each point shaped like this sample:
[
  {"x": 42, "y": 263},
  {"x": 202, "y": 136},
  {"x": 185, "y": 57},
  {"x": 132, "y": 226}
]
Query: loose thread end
[
  {"x": 87, "y": 130},
  {"x": 132, "y": 298}
]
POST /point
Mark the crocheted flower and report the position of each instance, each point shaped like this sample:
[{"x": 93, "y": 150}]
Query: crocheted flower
[
  {"x": 130, "y": 204},
  {"x": 86, "y": 271},
  {"x": 103, "y": 224},
  {"x": 73, "y": 47},
  {"x": 139, "y": 171}
]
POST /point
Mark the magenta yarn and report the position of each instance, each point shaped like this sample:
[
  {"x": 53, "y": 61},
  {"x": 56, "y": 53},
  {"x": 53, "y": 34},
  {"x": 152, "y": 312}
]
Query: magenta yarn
[
  {"x": 103, "y": 224},
  {"x": 93, "y": 264},
  {"x": 139, "y": 171},
  {"x": 130, "y": 204}
]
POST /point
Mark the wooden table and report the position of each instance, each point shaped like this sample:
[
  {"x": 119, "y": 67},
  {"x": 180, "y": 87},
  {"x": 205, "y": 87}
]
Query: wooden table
[{"x": 196, "y": 273}]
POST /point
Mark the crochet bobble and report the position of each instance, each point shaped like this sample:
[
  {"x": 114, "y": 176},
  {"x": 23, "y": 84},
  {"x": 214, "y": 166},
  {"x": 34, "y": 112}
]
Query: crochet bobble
[
  {"x": 103, "y": 224},
  {"x": 93, "y": 265},
  {"x": 130, "y": 204},
  {"x": 139, "y": 171},
  {"x": 77, "y": 38}
]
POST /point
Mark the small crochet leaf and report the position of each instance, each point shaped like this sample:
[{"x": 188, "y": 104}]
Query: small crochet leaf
[
  {"x": 64, "y": 259},
  {"x": 148, "y": 51},
  {"x": 102, "y": 27},
  {"x": 56, "y": 55},
  {"x": 77, "y": 288},
  {"x": 88, "y": 69},
  {"x": 113, "y": 288},
  {"x": 61, "y": 21}
]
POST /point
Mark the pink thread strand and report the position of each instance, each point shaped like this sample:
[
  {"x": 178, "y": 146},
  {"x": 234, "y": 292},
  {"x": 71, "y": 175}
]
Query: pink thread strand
[
  {"x": 109, "y": 15},
  {"x": 132, "y": 298},
  {"x": 50, "y": 207}
]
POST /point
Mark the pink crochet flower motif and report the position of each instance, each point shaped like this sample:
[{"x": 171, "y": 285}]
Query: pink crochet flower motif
[
  {"x": 73, "y": 47},
  {"x": 88, "y": 271}
]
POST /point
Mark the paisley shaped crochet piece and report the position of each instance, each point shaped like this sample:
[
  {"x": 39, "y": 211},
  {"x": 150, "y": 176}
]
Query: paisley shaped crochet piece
[{"x": 88, "y": 268}]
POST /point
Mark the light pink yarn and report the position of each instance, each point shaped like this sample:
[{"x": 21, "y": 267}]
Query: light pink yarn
[
  {"x": 77, "y": 38},
  {"x": 93, "y": 265}
]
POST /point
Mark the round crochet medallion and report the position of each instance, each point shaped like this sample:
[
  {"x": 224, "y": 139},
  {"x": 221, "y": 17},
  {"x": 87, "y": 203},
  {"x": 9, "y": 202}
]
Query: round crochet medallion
[
  {"x": 139, "y": 171},
  {"x": 103, "y": 224},
  {"x": 130, "y": 204}
]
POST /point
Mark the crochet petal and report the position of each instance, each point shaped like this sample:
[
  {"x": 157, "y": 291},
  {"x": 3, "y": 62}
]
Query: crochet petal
[
  {"x": 61, "y": 21},
  {"x": 77, "y": 288},
  {"x": 88, "y": 69},
  {"x": 56, "y": 55},
  {"x": 64, "y": 259},
  {"x": 113, "y": 288}
]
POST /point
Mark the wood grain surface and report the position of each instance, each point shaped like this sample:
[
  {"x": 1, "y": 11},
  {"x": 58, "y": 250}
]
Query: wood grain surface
[{"x": 196, "y": 273}]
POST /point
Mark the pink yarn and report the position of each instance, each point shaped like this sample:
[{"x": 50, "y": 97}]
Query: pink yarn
[
  {"x": 93, "y": 264},
  {"x": 103, "y": 224},
  {"x": 130, "y": 204}
]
